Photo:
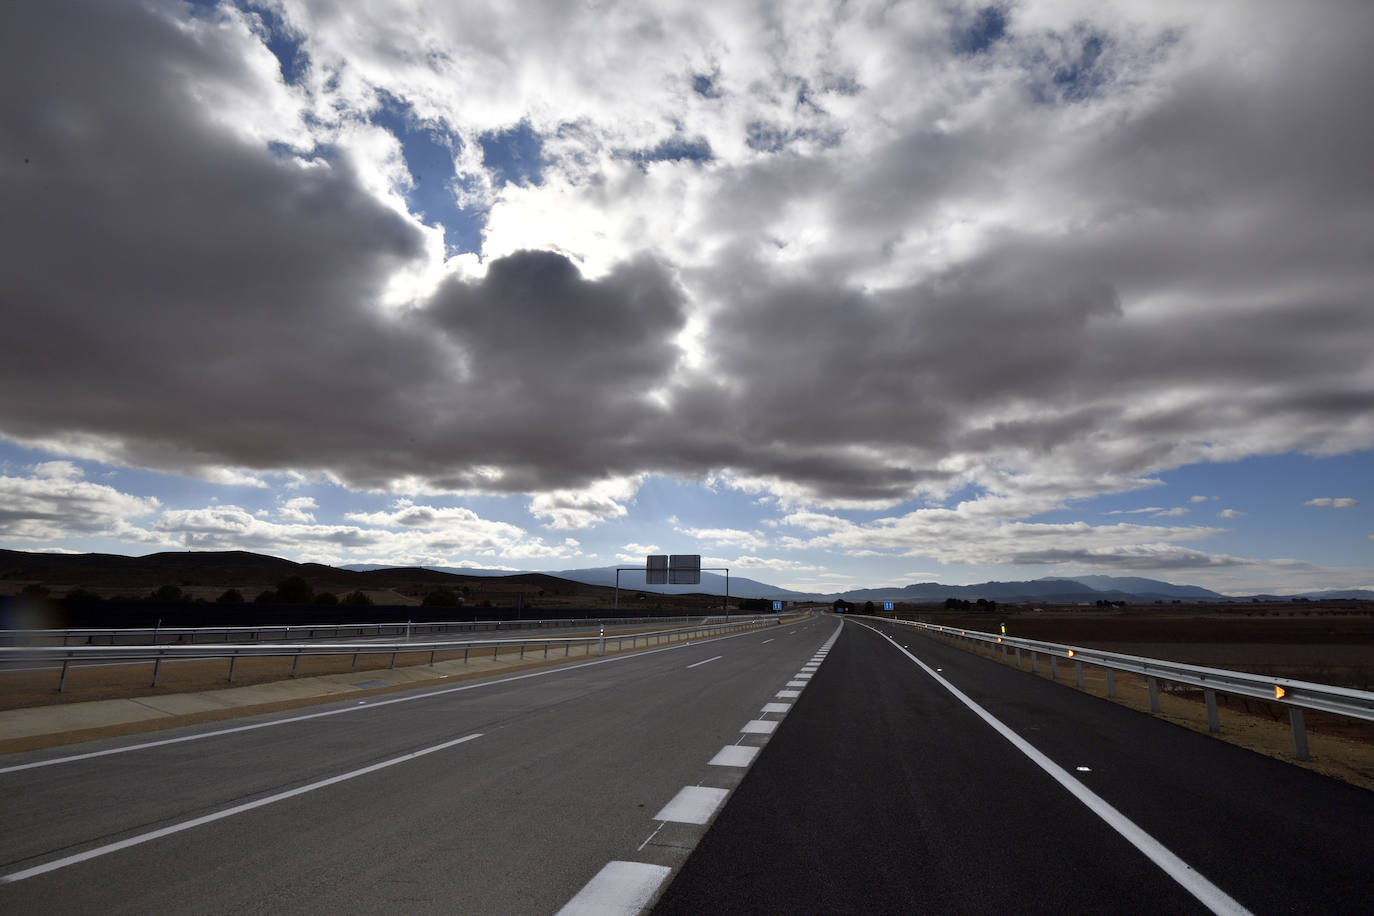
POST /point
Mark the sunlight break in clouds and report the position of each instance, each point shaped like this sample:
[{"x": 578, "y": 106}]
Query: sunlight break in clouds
[{"x": 853, "y": 258}]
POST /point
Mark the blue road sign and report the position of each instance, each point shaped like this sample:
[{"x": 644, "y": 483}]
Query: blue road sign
[
  {"x": 887, "y": 605},
  {"x": 777, "y": 605}
]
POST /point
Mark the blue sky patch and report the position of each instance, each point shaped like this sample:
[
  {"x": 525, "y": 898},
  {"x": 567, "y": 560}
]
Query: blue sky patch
[
  {"x": 429, "y": 152},
  {"x": 514, "y": 155},
  {"x": 975, "y": 35},
  {"x": 285, "y": 44},
  {"x": 675, "y": 149}
]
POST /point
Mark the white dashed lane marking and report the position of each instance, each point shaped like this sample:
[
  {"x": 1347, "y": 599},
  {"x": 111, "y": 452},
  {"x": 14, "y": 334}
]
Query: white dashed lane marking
[
  {"x": 735, "y": 755},
  {"x": 620, "y": 887},
  {"x": 693, "y": 805},
  {"x": 759, "y": 727},
  {"x": 776, "y": 707}
]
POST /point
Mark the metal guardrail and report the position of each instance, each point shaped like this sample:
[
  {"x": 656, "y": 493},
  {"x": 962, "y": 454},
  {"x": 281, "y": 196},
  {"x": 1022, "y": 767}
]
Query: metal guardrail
[
  {"x": 159, "y": 653},
  {"x": 154, "y": 635},
  {"x": 1294, "y": 694}
]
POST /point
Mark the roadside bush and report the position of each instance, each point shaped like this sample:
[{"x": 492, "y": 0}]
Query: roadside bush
[
  {"x": 356, "y": 598},
  {"x": 267, "y": 597},
  {"x": 168, "y": 593},
  {"x": 294, "y": 590},
  {"x": 230, "y": 596},
  {"x": 326, "y": 598},
  {"x": 442, "y": 597},
  {"x": 82, "y": 594}
]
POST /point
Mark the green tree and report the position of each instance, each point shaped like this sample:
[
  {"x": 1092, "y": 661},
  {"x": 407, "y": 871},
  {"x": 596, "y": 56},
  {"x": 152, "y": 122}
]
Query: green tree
[
  {"x": 326, "y": 598},
  {"x": 82, "y": 594},
  {"x": 230, "y": 596},
  {"x": 267, "y": 597},
  {"x": 167, "y": 593},
  {"x": 294, "y": 590},
  {"x": 442, "y": 597},
  {"x": 356, "y": 598}
]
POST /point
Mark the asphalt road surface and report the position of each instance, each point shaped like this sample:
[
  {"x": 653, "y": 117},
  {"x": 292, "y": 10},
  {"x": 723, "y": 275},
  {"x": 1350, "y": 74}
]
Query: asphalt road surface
[
  {"x": 499, "y": 796},
  {"x": 874, "y": 788},
  {"x": 882, "y": 792}
]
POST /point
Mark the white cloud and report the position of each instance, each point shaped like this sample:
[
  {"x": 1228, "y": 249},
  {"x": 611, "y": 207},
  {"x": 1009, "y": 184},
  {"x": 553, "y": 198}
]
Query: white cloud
[
  {"x": 297, "y": 509},
  {"x": 1200, "y": 499},
  {"x": 1171, "y": 513},
  {"x": 55, "y": 502},
  {"x": 732, "y": 537},
  {"x": 1230, "y": 513},
  {"x": 1109, "y": 186},
  {"x": 1333, "y": 502},
  {"x": 583, "y": 508}
]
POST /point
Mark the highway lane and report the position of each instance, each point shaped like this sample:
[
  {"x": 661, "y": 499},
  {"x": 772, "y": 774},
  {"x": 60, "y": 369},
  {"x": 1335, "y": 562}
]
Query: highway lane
[
  {"x": 566, "y": 772},
  {"x": 881, "y": 792}
]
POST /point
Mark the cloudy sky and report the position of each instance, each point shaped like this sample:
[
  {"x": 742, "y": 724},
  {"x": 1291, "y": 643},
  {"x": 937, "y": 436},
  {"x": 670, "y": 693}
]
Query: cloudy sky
[{"x": 833, "y": 293}]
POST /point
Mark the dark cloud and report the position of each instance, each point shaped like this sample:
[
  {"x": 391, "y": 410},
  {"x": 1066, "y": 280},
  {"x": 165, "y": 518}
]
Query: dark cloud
[{"x": 1177, "y": 261}]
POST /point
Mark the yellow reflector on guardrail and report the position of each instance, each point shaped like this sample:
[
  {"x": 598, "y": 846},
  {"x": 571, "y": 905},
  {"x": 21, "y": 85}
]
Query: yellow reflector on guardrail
[
  {"x": 1070, "y": 653},
  {"x": 1279, "y": 692}
]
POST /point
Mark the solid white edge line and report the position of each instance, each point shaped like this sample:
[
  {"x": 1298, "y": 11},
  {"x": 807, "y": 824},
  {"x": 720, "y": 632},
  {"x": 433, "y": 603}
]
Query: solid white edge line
[
  {"x": 705, "y": 661},
  {"x": 98, "y": 851},
  {"x": 1207, "y": 893},
  {"x": 620, "y": 887},
  {"x": 559, "y": 669}
]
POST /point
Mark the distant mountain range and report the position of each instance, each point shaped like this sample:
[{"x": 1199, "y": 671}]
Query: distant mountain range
[
  {"x": 1049, "y": 590},
  {"x": 241, "y": 568}
]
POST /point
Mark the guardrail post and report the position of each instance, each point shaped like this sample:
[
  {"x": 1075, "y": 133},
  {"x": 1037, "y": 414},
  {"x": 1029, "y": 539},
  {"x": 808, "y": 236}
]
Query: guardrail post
[
  {"x": 1078, "y": 673},
  {"x": 1213, "y": 720},
  {"x": 1111, "y": 682},
  {"x": 431, "y": 658},
  {"x": 294, "y": 662},
  {"x": 157, "y": 666},
  {"x": 494, "y": 650},
  {"x": 1054, "y": 668},
  {"x": 1299, "y": 732},
  {"x": 1018, "y": 658},
  {"x": 1153, "y": 685},
  {"x": 393, "y": 660},
  {"x": 1035, "y": 663},
  {"x": 354, "y": 665},
  {"x": 232, "y": 659},
  {"x": 62, "y": 683},
  {"x": 522, "y": 651},
  {"x": 466, "y": 649}
]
